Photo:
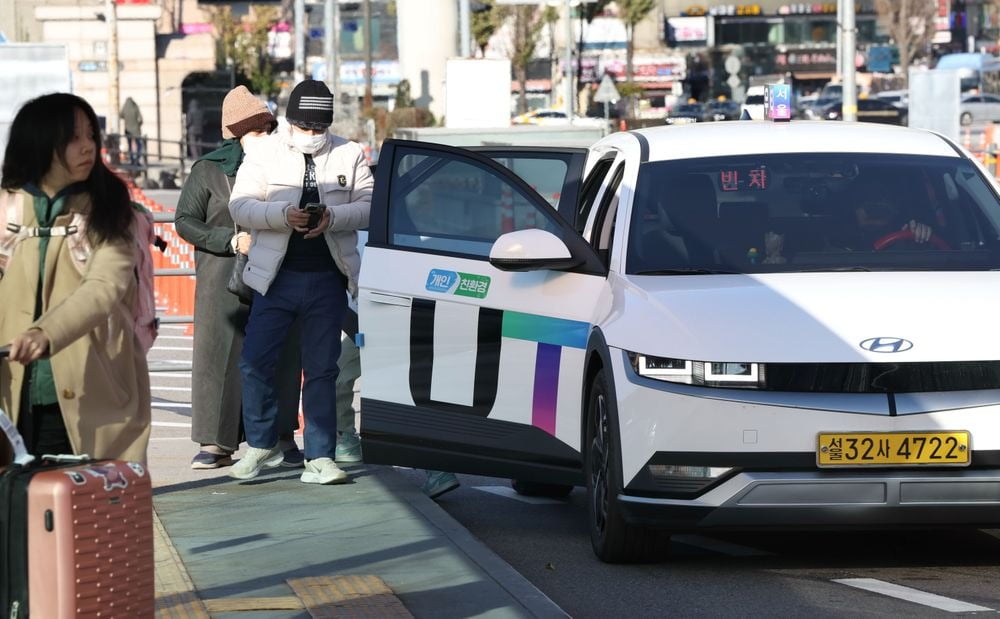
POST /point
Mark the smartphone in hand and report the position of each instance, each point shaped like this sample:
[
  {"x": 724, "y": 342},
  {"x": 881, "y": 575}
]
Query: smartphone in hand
[{"x": 315, "y": 210}]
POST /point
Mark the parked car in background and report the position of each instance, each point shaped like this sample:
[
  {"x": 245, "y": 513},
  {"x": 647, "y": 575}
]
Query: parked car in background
[
  {"x": 899, "y": 98},
  {"x": 753, "y": 104},
  {"x": 869, "y": 110},
  {"x": 721, "y": 110},
  {"x": 980, "y": 108},
  {"x": 686, "y": 113},
  {"x": 541, "y": 117},
  {"x": 812, "y": 109}
]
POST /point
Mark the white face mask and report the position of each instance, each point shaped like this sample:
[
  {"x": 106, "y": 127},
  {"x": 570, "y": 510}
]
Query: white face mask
[
  {"x": 252, "y": 143},
  {"x": 307, "y": 143}
]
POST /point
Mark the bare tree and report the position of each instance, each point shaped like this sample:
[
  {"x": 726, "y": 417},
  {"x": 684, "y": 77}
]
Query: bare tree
[
  {"x": 910, "y": 24},
  {"x": 526, "y": 22},
  {"x": 631, "y": 12}
]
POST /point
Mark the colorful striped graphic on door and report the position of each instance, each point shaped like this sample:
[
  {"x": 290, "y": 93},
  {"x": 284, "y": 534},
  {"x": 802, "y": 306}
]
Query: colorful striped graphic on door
[{"x": 551, "y": 334}]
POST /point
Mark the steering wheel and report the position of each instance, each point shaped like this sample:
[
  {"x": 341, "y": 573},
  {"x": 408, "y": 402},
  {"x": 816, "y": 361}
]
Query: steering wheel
[{"x": 907, "y": 235}]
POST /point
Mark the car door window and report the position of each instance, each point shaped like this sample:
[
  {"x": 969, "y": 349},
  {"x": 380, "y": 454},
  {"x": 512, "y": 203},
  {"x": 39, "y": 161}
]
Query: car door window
[
  {"x": 449, "y": 204},
  {"x": 591, "y": 187},
  {"x": 604, "y": 224}
]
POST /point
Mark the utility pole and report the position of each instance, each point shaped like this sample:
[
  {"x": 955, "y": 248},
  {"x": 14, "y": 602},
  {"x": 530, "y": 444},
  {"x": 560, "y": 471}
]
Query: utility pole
[
  {"x": 368, "y": 56},
  {"x": 840, "y": 42},
  {"x": 111, "y": 18},
  {"x": 849, "y": 103},
  {"x": 331, "y": 33},
  {"x": 568, "y": 71},
  {"x": 299, "y": 71},
  {"x": 464, "y": 28}
]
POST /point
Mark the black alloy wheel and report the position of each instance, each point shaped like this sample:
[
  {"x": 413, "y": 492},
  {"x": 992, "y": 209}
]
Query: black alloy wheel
[{"x": 614, "y": 540}]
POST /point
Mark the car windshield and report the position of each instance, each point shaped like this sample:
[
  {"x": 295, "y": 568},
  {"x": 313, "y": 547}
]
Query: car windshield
[
  {"x": 755, "y": 100},
  {"x": 813, "y": 212},
  {"x": 689, "y": 108}
]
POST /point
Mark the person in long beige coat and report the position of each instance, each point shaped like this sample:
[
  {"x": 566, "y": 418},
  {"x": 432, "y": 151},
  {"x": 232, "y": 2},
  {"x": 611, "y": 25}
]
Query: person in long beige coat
[{"x": 72, "y": 333}]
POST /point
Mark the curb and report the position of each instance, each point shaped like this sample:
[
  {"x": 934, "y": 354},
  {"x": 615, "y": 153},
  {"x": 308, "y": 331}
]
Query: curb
[{"x": 536, "y": 603}]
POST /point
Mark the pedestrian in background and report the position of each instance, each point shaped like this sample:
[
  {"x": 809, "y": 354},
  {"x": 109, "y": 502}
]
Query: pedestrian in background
[
  {"x": 202, "y": 219},
  {"x": 194, "y": 124},
  {"x": 133, "y": 130},
  {"x": 349, "y": 362},
  {"x": 68, "y": 328},
  {"x": 300, "y": 266}
]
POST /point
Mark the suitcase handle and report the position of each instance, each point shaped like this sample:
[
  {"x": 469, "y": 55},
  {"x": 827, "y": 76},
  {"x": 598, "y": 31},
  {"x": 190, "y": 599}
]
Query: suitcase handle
[{"x": 21, "y": 455}]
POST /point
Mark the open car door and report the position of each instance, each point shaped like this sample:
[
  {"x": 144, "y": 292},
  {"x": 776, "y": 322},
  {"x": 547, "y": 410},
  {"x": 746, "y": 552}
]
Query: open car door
[{"x": 471, "y": 363}]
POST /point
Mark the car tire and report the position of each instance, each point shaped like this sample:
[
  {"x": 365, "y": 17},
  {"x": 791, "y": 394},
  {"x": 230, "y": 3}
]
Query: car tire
[
  {"x": 965, "y": 118},
  {"x": 614, "y": 539},
  {"x": 533, "y": 488}
]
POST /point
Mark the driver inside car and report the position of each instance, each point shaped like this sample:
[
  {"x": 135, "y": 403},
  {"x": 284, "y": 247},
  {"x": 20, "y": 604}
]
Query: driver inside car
[{"x": 877, "y": 214}]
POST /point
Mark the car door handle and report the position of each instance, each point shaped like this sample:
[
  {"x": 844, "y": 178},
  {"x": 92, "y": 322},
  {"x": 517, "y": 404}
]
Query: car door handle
[{"x": 389, "y": 299}]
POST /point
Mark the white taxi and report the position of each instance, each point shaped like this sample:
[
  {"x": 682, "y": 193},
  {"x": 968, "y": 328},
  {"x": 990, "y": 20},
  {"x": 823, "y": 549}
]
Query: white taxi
[{"x": 711, "y": 326}]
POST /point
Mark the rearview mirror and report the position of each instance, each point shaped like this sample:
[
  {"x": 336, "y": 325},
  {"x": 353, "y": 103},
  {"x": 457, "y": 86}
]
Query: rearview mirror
[{"x": 531, "y": 250}]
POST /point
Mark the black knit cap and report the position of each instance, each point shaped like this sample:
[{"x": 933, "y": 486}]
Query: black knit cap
[{"x": 310, "y": 105}]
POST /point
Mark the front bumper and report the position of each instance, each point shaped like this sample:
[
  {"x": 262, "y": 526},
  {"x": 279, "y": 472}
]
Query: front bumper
[{"x": 830, "y": 500}]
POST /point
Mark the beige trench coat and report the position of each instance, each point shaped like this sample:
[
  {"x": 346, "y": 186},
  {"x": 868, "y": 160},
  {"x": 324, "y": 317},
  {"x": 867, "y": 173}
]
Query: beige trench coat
[{"x": 100, "y": 373}]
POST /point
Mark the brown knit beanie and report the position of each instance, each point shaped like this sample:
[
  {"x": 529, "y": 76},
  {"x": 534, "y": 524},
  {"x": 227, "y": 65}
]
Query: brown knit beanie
[{"x": 242, "y": 113}]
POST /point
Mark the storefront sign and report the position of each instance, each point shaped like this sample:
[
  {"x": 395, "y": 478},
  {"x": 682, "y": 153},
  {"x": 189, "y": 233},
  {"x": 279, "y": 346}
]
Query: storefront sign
[
  {"x": 688, "y": 29},
  {"x": 736, "y": 10},
  {"x": 822, "y": 8},
  {"x": 805, "y": 59}
]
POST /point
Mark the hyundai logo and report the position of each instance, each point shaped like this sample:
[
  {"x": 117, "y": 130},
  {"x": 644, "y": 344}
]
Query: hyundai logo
[{"x": 886, "y": 344}]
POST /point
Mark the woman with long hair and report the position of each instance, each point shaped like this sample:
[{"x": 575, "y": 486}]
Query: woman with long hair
[{"x": 77, "y": 379}]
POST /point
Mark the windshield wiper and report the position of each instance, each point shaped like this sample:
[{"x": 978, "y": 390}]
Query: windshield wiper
[{"x": 688, "y": 271}]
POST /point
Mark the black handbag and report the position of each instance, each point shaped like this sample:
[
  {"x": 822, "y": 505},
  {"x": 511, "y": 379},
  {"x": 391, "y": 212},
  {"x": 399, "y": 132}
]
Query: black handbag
[{"x": 236, "y": 284}]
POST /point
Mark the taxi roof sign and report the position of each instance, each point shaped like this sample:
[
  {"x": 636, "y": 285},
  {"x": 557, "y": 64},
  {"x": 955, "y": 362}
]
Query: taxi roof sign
[{"x": 778, "y": 101}]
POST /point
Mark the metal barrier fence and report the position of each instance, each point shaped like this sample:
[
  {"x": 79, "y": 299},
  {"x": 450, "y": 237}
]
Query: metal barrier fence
[
  {"x": 174, "y": 271},
  {"x": 171, "y": 158}
]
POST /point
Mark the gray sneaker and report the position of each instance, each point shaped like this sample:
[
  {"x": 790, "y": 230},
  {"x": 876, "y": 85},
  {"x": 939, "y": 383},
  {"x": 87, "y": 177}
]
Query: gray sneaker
[
  {"x": 348, "y": 448},
  {"x": 255, "y": 460},
  {"x": 323, "y": 471}
]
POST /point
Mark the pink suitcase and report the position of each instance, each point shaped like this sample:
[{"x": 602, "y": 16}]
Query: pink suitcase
[
  {"x": 89, "y": 537},
  {"x": 90, "y": 542}
]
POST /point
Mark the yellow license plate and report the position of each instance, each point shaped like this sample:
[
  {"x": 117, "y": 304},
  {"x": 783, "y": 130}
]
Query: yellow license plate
[{"x": 949, "y": 448}]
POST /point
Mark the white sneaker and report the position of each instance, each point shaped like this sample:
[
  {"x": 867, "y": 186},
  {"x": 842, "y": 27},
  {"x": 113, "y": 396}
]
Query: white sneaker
[
  {"x": 255, "y": 460},
  {"x": 323, "y": 471}
]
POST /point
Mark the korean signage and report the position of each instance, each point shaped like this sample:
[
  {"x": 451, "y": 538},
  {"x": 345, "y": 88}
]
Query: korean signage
[
  {"x": 806, "y": 59},
  {"x": 736, "y": 10},
  {"x": 823, "y": 8},
  {"x": 688, "y": 29}
]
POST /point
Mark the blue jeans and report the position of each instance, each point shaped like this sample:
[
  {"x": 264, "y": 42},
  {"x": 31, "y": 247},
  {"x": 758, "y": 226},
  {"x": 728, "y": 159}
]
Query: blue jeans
[{"x": 320, "y": 299}]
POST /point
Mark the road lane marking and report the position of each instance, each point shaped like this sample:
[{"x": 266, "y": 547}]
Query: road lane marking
[
  {"x": 155, "y": 388},
  {"x": 719, "y": 546},
  {"x": 171, "y": 405},
  {"x": 174, "y": 337},
  {"x": 508, "y": 493},
  {"x": 171, "y": 424},
  {"x": 912, "y": 595}
]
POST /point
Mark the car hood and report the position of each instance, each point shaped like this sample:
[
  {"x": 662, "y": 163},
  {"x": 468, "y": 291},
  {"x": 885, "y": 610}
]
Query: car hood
[{"x": 808, "y": 317}]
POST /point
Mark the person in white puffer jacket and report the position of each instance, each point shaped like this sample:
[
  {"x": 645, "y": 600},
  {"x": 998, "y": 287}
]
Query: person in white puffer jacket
[{"x": 299, "y": 271}]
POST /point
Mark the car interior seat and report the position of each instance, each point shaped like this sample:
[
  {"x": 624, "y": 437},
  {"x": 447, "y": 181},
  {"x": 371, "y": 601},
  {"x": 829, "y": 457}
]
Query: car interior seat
[
  {"x": 680, "y": 227},
  {"x": 742, "y": 226}
]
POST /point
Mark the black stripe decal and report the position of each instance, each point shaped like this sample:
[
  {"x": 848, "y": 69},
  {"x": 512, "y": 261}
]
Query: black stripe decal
[{"x": 487, "y": 373}]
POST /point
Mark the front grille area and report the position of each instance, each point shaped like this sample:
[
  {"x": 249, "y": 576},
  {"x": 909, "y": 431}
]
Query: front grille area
[{"x": 882, "y": 377}]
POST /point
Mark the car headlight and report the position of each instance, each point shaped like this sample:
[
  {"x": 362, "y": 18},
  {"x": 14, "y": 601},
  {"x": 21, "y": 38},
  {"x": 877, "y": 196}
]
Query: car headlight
[
  {"x": 740, "y": 375},
  {"x": 832, "y": 115}
]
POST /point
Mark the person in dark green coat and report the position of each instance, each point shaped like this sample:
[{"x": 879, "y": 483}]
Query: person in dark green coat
[{"x": 202, "y": 219}]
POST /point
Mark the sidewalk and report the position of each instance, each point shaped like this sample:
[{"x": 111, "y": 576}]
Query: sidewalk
[{"x": 275, "y": 547}]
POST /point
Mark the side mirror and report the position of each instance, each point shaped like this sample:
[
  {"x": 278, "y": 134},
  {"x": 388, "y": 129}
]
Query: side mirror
[{"x": 531, "y": 250}]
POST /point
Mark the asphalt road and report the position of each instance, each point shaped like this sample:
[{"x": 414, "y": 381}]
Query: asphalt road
[{"x": 738, "y": 575}]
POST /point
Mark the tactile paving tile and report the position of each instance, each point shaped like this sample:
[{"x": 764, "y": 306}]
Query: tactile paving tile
[{"x": 348, "y": 596}]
